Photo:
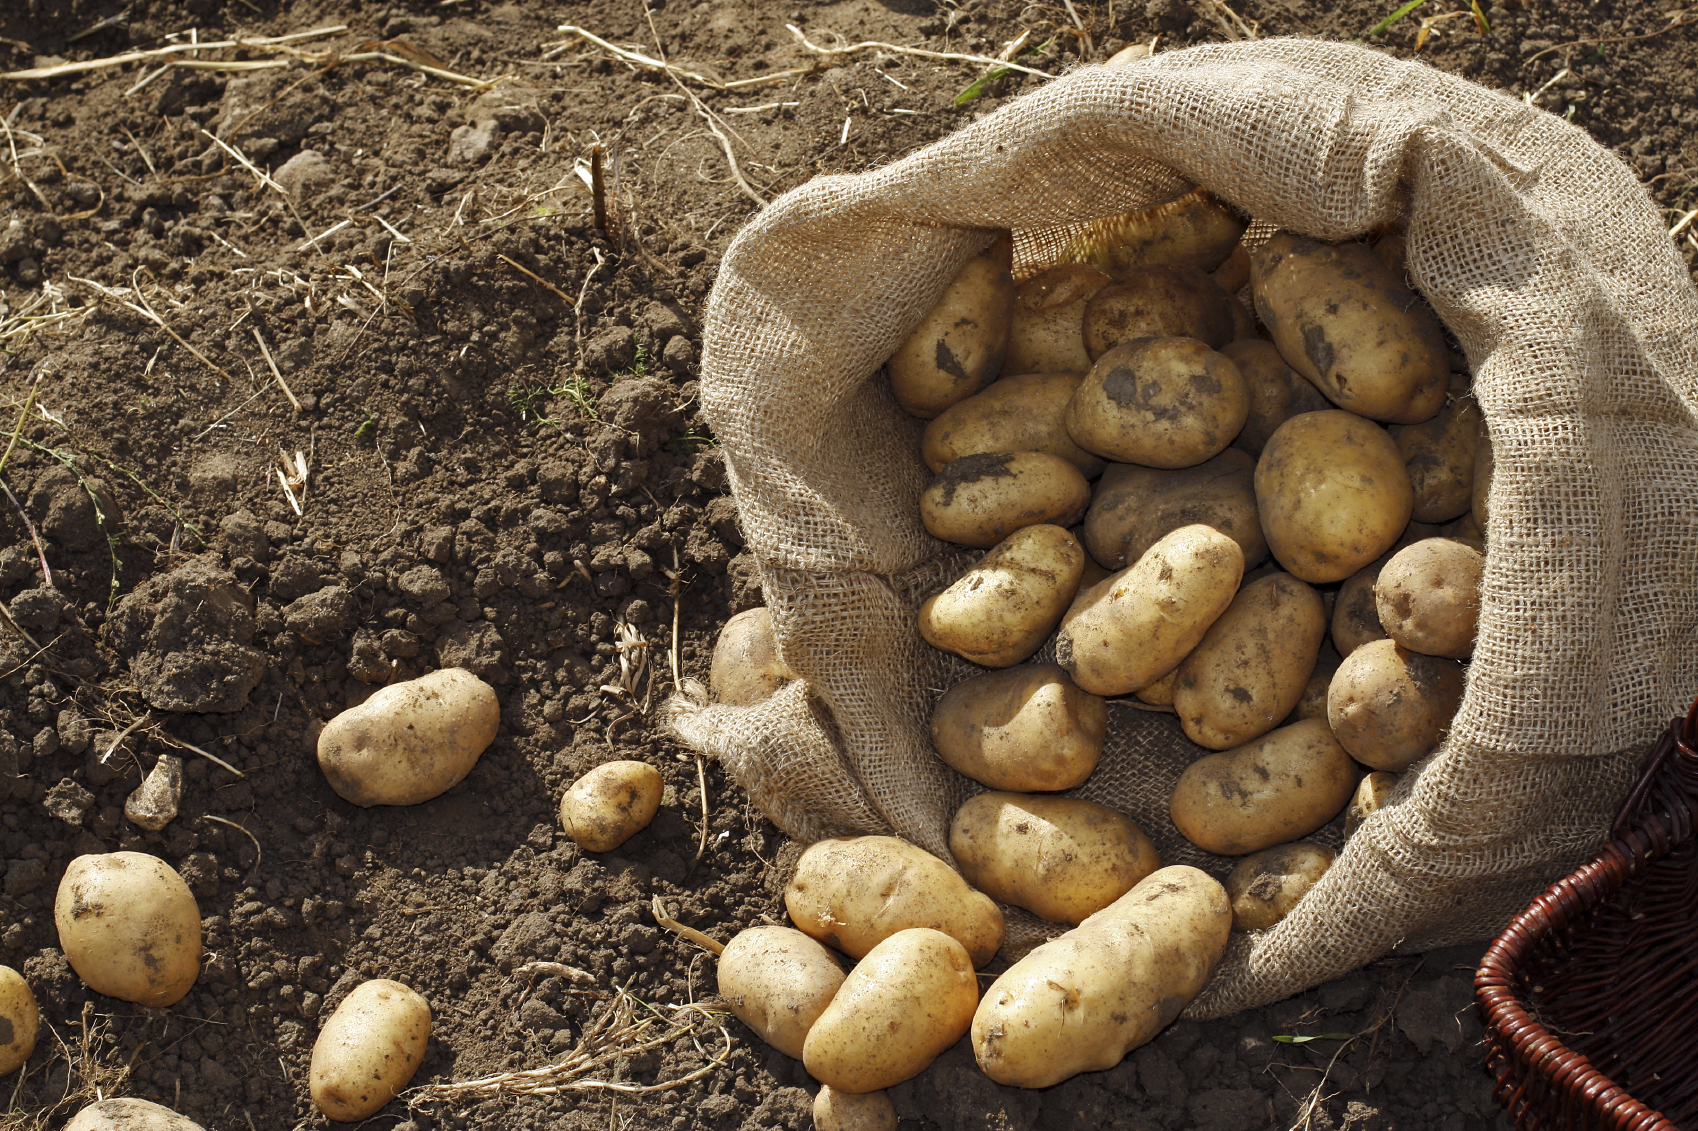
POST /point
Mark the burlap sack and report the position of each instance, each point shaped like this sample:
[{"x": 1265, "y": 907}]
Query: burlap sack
[{"x": 1537, "y": 247}]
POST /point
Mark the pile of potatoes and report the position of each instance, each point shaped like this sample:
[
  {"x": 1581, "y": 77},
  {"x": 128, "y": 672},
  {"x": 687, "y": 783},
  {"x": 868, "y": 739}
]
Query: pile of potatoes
[{"x": 1270, "y": 524}]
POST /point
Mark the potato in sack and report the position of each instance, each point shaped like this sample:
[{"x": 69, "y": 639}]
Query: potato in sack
[
  {"x": 1196, "y": 230},
  {"x": 1266, "y": 885},
  {"x": 979, "y": 500},
  {"x": 1028, "y": 728},
  {"x": 1428, "y": 597},
  {"x": 1157, "y": 302},
  {"x": 957, "y": 349},
  {"x": 1046, "y": 332},
  {"x": 746, "y": 666},
  {"x": 1280, "y": 787},
  {"x": 1439, "y": 454},
  {"x": 1001, "y": 610},
  {"x": 1277, "y": 391},
  {"x": 1024, "y": 413},
  {"x": 1159, "y": 402},
  {"x": 1370, "y": 797},
  {"x": 1134, "y": 507},
  {"x": 1391, "y": 707}
]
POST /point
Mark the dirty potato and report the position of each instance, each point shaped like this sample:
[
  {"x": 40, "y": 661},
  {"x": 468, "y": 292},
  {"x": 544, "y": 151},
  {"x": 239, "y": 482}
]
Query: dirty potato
[
  {"x": 778, "y": 981},
  {"x": 130, "y": 1114},
  {"x": 1157, "y": 302},
  {"x": 853, "y": 1111},
  {"x": 368, "y": 1050},
  {"x": 1371, "y": 796},
  {"x": 1161, "y": 402},
  {"x": 1027, "y": 728},
  {"x": 1025, "y": 413},
  {"x": 979, "y": 500},
  {"x": 1046, "y": 332},
  {"x": 1356, "y": 615},
  {"x": 611, "y": 804},
  {"x": 1313, "y": 703},
  {"x": 20, "y": 1018},
  {"x": 1134, "y": 507},
  {"x": 1196, "y": 230},
  {"x": 746, "y": 665},
  {"x": 1391, "y": 707},
  {"x": 1277, "y": 391},
  {"x": 1278, "y": 788},
  {"x": 129, "y": 927},
  {"x": 1001, "y": 610},
  {"x": 1439, "y": 454},
  {"x": 958, "y": 347},
  {"x": 411, "y": 741},
  {"x": 1266, "y": 885},
  {"x": 1428, "y": 597}
]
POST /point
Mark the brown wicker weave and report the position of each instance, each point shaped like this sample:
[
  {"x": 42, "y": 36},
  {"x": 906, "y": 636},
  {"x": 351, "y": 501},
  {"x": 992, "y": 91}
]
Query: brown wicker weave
[{"x": 1590, "y": 997}]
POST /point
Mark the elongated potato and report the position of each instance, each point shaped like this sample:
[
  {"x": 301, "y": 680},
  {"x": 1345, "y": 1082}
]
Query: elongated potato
[
  {"x": 1159, "y": 693},
  {"x": 979, "y": 500},
  {"x": 746, "y": 665},
  {"x": 1027, "y": 728},
  {"x": 1277, "y": 392},
  {"x": 1001, "y": 611},
  {"x": 368, "y": 1050},
  {"x": 910, "y": 998},
  {"x": 1233, "y": 275},
  {"x": 1061, "y": 858},
  {"x": 1131, "y": 629},
  {"x": 852, "y": 893},
  {"x": 130, "y": 1114},
  {"x": 957, "y": 349},
  {"x": 1266, "y": 885},
  {"x": 1161, "y": 402},
  {"x": 1252, "y": 665},
  {"x": 1046, "y": 332},
  {"x": 1391, "y": 707},
  {"x": 1083, "y": 1001},
  {"x": 1428, "y": 597},
  {"x": 611, "y": 804},
  {"x": 20, "y": 1019},
  {"x": 129, "y": 927},
  {"x": 1279, "y": 788},
  {"x": 1439, "y": 454},
  {"x": 1347, "y": 322},
  {"x": 1157, "y": 302},
  {"x": 853, "y": 1111},
  {"x": 1026, "y": 413},
  {"x": 1370, "y": 797},
  {"x": 1196, "y": 230},
  {"x": 1133, "y": 507},
  {"x": 1332, "y": 493},
  {"x": 1356, "y": 616},
  {"x": 778, "y": 981},
  {"x": 410, "y": 742}
]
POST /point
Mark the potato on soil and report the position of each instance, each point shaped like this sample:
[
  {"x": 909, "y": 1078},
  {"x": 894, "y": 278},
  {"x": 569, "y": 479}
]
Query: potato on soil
[
  {"x": 368, "y": 1050},
  {"x": 1252, "y": 665},
  {"x": 910, "y": 998},
  {"x": 1344, "y": 320},
  {"x": 1356, "y": 615},
  {"x": 1370, "y": 797},
  {"x": 1027, "y": 728},
  {"x": 1083, "y": 1001},
  {"x": 957, "y": 349},
  {"x": 611, "y": 804},
  {"x": 1001, "y": 610},
  {"x": 1277, "y": 391},
  {"x": 853, "y": 1111},
  {"x": 1266, "y": 885},
  {"x": 1061, "y": 858},
  {"x": 1332, "y": 493},
  {"x": 1157, "y": 302},
  {"x": 979, "y": 500},
  {"x": 411, "y": 741},
  {"x": 1279, "y": 788},
  {"x": 130, "y": 1114},
  {"x": 1025, "y": 413},
  {"x": 1046, "y": 332},
  {"x": 746, "y": 665},
  {"x": 1428, "y": 597},
  {"x": 1197, "y": 230},
  {"x": 1439, "y": 454},
  {"x": 852, "y": 893},
  {"x": 1160, "y": 402},
  {"x": 1135, "y": 507},
  {"x": 129, "y": 927},
  {"x": 20, "y": 1019},
  {"x": 1134, "y": 627},
  {"x": 1391, "y": 707},
  {"x": 778, "y": 981}
]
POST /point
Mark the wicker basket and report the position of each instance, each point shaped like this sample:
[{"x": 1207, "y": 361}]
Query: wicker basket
[{"x": 1590, "y": 997}]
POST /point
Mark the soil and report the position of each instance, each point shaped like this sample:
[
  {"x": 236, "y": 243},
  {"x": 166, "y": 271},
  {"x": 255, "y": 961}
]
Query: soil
[{"x": 504, "y": 464}]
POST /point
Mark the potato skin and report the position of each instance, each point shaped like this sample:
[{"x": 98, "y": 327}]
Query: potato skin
[
  {"x": 1332, "y": 493},
  {"x": 1024, "y": 413},
  {"x": 1313, "y": 703},
  {"x": 130, "y": 1114},
  {"x": 411, "y": 741},
  {"x": 1027, "y": 728},
  {"x": 1347, "y": 322},
  {"x": 21, "y": 1017},
  {"x": 1159, "y": 402},
  {"x": 1046, "y": 331},
  {"x": 957, "y": 349},
  {"x": 1370, "y": 797},
  {"x": 852, "y": 893},
  {"x": 1252, "y": 665},
  {"x": 1001, "y": 611},
  {"x": 1083, "y": 1001},
  {"x": 1277, "y": 391},
  {"x": 1391, "y": 707},
  {"x": 1133, "y": 507},
  {"x": 778, "y": 981},
  {"x": 129, "y": 926},
  {"x": 1428, "y": 597},
  {"x": 979, "y": 500},
  {"x": 1279, "y": 788},
  {"x": 1266, "y": 885},
  {"x": 1196, "y": 230},
  {"x": 746, "y": 665},
  {"x": 853, "y": 1111},
  {"x": 368, "y": 1050},
  {"x": 611, "y": 804},
  {"x": 1134, "y": 627},
  {"x": 1157, "y": 302},
  {"x": 1439, "y": 454},
  {"x": 910, "y": 998},
  {"x": 1061, "y": 858}
]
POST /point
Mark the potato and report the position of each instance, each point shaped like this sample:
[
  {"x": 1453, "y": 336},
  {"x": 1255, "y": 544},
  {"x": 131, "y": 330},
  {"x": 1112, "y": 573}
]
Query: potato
[
  {"x": 1061, "y": 858},
  {"x": 957, "y": 349},
  {"x": 1092, "y": 573},
  {"x": 1439, "y": 455},
  {"x": 1390, "y": 707},
  {"x": 979, "y": 500},
  {"x": 746, "y": 665},
  {"x": 1252, "y": 665},
  {"x": 1046, "y": 332},
  {"x": 1000, "y": 611},
  {"x": 1157, "y": 302},
  {"x": 1428, "y": 597},
  {"x": 1332, "y": 493},
  {"x": 1083, "y": 1001},
  {"x": 1391, "y": 249},
  {"x": 852, "y": 893},
  {"x": 1234, "y": 274},
  {"x": 1243, "y": 322},
  {"x": 778, "y": 981},
  {"x": 611, "y": 804},
  {"x": 368, "y": 1050},
  {"x": 1346, "y": 321},
  {"x": 411, "y": 741},
  {"x": 1027, "y": 413},
  {"x": 1159, "y": 693},
  {"x": 1266, "y": 885},
  {"x": 1356, "y": 616},
  {"x": 1027, "y": 728},
  {"x": 852, "y": 1111},
  {"x": 1196, "y": 230},
  {"x": 129, "y": 1114},
  {"x": 1279, "y": 788},
  {"x": 1313, "y": 704},
  {"x": 1485, "y": 463},
  {"x": 910, "y": 998},
  {"x": 1465, "y": 529},
  {"x": 129, "y": 927},
  {"x": 1277, "y": 391},
  {"x": 1131, "y": 629},
  {"x": 1371, "y": 796},
  {"x": 1135, "y": 507},
  {"x": 1161, "y": 402},
  {"x": 20, "y": 1018}
]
